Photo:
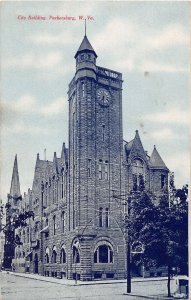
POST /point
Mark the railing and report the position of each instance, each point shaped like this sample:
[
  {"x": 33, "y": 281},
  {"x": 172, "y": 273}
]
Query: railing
[{"x": 109, "y": 73}]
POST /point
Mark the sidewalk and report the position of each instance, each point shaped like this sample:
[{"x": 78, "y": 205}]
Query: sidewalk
[
  {"x": 70, "y": 282},
  {"x": 157, "y": 295}
]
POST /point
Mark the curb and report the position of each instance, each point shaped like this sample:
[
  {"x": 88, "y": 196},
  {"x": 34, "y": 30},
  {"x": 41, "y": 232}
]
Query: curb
[
  {"x": 148, "y": 297},
  {"x": 82, "y": 283}
]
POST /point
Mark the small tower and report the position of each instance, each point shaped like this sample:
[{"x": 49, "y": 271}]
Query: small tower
[
  {"x": 85, "y": 60},
  {"x": 159, "y": 173}
]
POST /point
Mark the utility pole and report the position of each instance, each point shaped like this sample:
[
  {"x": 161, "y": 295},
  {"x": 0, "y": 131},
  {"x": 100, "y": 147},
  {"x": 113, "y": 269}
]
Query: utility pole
[{"x": 128, "y": 249}]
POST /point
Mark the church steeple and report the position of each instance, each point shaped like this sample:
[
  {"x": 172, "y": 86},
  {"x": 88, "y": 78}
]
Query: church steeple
[{"x": 15, "y": 184}]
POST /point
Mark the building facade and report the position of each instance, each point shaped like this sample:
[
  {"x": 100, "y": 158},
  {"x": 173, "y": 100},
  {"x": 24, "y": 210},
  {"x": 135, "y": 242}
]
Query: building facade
[{"x": 77, "y": 231}]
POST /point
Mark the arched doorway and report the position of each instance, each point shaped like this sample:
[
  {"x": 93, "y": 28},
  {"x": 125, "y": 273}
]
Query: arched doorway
[{"x": 36, "y": 263}]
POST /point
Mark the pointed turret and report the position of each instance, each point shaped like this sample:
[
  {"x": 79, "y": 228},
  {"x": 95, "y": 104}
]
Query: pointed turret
[
  {"x": 85, "y": 60},
  {"x": 134, "y": 148},
  {"x": 85, "y": 47},
  {"x": 156, "y": 160},
  {"x": 15, "y": 184}
]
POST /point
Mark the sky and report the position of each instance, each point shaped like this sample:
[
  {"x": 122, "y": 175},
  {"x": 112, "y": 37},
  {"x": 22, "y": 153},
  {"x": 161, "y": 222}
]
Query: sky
[{"x": 148, "y": 42}]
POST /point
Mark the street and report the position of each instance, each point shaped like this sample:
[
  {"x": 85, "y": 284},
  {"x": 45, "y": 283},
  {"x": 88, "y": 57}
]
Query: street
[{"x": 19, "y": 288}]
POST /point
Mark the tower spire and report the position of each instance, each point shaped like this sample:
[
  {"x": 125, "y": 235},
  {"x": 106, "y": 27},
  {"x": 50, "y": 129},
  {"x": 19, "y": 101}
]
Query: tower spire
[
  {"x": 15, "y": 184},
  {"x": 85, "y": 27}
]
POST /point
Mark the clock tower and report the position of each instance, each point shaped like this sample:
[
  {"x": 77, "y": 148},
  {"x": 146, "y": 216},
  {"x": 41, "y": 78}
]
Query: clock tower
[{"x": 95, "y": 169}]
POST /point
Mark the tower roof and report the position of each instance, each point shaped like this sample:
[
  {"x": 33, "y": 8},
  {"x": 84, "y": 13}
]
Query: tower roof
[
  {"x": 85, "y": 46},
  {"x": 156, "y": 160},
  {"x": 15, "y": 184}
]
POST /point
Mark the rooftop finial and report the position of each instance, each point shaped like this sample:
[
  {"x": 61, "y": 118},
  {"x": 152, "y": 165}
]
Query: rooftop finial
[{"x": 85, "y": 27}]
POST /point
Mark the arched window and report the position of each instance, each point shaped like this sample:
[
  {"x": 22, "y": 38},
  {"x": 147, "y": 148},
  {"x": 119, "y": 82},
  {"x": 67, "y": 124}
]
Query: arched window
[
  {"x": 107, "y": 217},
  {"x": 63, "y": 217},
  {"x": 27, "y": 235},
  {"x": 54, "y": 225},
  {"x": 62, "y": 184},
  {"x": 100, "y": 169},
  {"x": 54, "y": 254},
  {"x": 53, "y": 189},
  {"x": 100, "y": 217},
  {"x": 42, "y": 192},
  {"x": 47, "y": 255},
  {"x": 46, "y": 195},
  {"x": 63, "y": 256},
  {"x": 106, "y": 170},
  {"x": 76, "y": 253},
  {"x": 103, "y": 254},
  {"x": 23, "y": 236},
  {"x": 138, "y": 175}
]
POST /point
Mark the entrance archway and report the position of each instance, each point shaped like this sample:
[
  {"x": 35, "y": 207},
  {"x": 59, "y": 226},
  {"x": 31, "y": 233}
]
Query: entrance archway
[{"x": 36, "y": 264}]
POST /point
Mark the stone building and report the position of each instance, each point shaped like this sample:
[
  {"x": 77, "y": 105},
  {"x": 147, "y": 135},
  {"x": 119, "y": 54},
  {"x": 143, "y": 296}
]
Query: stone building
[{"x": 77, "y": 231}]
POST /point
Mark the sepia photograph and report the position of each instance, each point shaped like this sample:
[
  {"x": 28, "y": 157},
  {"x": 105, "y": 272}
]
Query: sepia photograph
[{"x": 95, "y": 151}]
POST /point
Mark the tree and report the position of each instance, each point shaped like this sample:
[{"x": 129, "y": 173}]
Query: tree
[{"x": 161, "y": 228}]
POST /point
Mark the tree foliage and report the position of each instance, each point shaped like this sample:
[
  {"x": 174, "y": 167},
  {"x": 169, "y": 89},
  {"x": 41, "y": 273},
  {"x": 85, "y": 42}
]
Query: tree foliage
[{"x": 162, "y": 227}]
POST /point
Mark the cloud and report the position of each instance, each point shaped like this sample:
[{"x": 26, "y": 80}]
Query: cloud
[
  {"x": 163, "y": 134},
  {"x": 47, "y": 61},
  {"x": 180, "y": 164},
  {"x": 152, "y": 66},
  {"x": 21, "y": 128},
  {"x": 25, "y": 103},
  {"x": 56, "y": 107},
  {"x": 49, "y": 38},
  {"x": 172, "y": 35},
  {"x": 137, "y": 45},
  {"x": 173, "y": 115},
  {"x": 29, "y": 104}
]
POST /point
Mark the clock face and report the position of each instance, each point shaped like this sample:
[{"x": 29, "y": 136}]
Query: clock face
[{"x": 103, "y": 97}]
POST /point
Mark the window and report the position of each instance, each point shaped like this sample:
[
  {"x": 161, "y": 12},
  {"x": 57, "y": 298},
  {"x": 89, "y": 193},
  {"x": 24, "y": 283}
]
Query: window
[
  {"x": 54, "y": 254},
  {"x": 103, "y": 254},
  {"x": 138, "y": 175},
  {"x": 89, "y": 56},
  {"x": 63, "y": 221},
  {"x": 46, "y": 195},
  {"x": 23, "y": 236},
  {"x": 47, "y": 232},
  {"x": 47, "y": 256},
  {"x": 106, "y": 170},
  {"x": 53, "y": 189},
  {"x": 54, "y": 225},
  {"x": 82, "y": 57},
  {"x": 162, "y": 181},
  {"x": 76, "y": 253},
  {"x": 100, "y": 169},
  {"x": 42, "y": 193},
  {"x": 62, "y": 184},
  {"x": 63, "y": 256},
  {"x": 100, "y": 217},
  {"x": 103, "y": 133},
  {"x": 89, "y": 167},
  {"x": 27, "y": 235},
  {"x": 83, "y": 89},
  {"x": 107, "y": 217}
]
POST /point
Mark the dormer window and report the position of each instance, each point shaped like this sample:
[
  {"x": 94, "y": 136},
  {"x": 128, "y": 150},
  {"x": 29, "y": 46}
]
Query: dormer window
[{"x": 138, "y": 174}]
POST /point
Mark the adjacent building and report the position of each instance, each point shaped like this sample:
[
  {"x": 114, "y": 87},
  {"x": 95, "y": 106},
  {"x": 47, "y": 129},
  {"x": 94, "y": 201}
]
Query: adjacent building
[{"x": 77, "y": 231}]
